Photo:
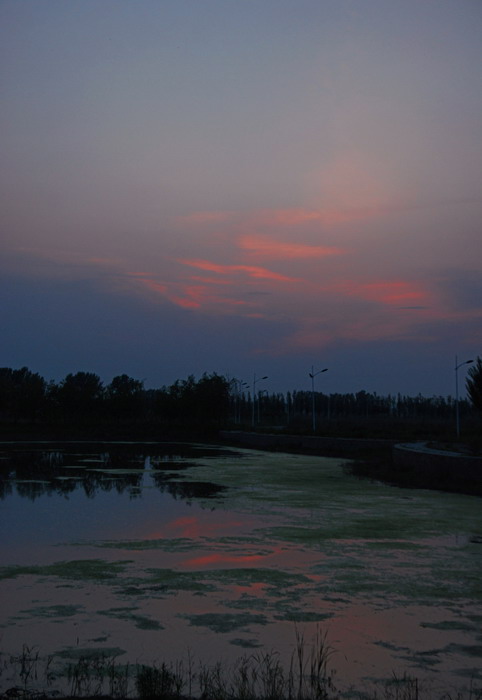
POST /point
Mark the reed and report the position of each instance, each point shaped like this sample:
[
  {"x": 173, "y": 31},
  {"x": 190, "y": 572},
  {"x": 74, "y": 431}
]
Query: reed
[{"x": 258, "y": 676}]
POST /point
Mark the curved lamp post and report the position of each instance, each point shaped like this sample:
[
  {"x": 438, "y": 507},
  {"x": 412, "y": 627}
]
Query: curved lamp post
[
  {"x": 457, "y": 418},
  {"x": 313, "y": 374},
  {"x": 255, "y": 381}
]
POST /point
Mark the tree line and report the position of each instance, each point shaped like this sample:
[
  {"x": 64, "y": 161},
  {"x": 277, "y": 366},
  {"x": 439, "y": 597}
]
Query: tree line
[{"x": 81, "y": 400}]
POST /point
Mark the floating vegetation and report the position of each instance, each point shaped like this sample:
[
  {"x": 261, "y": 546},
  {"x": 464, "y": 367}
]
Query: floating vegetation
[
  {"x": 229, "y": 552},
  {"x": 53, "y": 611},
  {"x": 448, "y": 625},
  {"x": 90, "y": 652},
  {"x": 140, "y": 621},
  {"x": 245, "y": 643},
  {"x": 78, "y": 570},
  {"x": 303, "y": 616},
  {"x": 170, "y": 580},
  {"x": 177, "y": 544},
  {"x": 274, "y": 578},
  {"x": 225, "y": 622}
]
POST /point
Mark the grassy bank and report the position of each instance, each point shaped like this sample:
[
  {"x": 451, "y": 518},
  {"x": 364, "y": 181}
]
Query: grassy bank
[{"x": 259, "y": 676}]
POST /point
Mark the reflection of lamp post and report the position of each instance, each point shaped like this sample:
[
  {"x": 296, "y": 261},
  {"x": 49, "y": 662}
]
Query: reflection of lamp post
[
  {"x": 255, "y": 381},
  {"x": 313, "y": 374},
  {"x": 457, "y": 419}
]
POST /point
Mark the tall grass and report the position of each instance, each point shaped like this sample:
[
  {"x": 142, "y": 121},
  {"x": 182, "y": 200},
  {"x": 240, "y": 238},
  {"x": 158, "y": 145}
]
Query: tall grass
[{"x": 258, "y": 676}]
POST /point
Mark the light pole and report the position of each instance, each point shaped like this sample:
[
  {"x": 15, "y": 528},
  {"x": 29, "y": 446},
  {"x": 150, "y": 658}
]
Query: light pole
[
  {"x": 313, "y": 374},
  {"x": 457, "y": 418},
  {"x": 238, "y": 387},
  {"x": 255, "y": 381},
  {"x": 260, "y": 396}
]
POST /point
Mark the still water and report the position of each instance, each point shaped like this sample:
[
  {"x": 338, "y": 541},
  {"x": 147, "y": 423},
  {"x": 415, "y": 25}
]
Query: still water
[{"x": 151, "y": 552}]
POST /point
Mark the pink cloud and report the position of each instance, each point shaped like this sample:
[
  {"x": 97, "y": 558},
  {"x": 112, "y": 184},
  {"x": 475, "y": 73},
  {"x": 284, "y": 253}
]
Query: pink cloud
[
  {"x": 185, "y": 302},
  {"x": 210, "y": 280},
  {"x": 300, "y": 217},
  {"x": 250, "y": 270},
  {"x": 150, "y": 284},
  {"x": 295, "y": 216},
  {"x": 105, "y": 262},
  {"x": 201, "y": 296},
  {"x": 262, "y": 246},
  {"x": 393, "y": 292},
  {"x": 287, "y": 217}
]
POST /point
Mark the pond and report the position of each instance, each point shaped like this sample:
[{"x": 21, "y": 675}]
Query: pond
[{"x": 163, "y": 552}]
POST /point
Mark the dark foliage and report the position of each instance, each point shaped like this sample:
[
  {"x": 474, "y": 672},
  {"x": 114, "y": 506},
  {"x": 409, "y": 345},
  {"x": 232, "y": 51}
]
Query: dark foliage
[
  {"x": 474, "y": 384},
  {"x": 80, "y": 406},
  {"x": 22, "y": 395}
]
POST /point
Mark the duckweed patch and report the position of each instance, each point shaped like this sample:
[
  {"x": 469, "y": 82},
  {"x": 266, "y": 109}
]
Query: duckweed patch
[
  {"x": 303, "y": 616},
  {"x": 79, "y": 570},
  {"x": 169, "y": 580},
  {"x": 474, "y": 650},
  {"x": 448, "y": 625},
  {"x": 275, "y": 578},
  {"x": 179, "y": 544},
  {"x": 300, "y": 535},
  {"x": 53, "y": 611},
  {"x": 359, "y": 529},
  {"x": 140, "y": 621},
  {"x": 396, "y": 544},
  {"x": 225, "y": 622},
  {"x": 90, "y": 652},
  {"x": 247, "y": 602},
  {"x": 245, "y": 643}
]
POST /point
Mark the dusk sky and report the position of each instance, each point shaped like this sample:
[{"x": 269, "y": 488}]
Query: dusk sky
[{"x": 240, "y": 187}]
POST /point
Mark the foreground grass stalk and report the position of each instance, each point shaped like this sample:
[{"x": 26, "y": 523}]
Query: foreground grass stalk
[{"x": 259, "y": 676}]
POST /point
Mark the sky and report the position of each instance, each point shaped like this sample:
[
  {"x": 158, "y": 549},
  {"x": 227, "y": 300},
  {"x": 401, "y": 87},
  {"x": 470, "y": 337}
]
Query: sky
[{"x": 246, "y": 187}]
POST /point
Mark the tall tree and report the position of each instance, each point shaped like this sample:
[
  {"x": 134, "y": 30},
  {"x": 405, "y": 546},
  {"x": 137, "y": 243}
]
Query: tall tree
[
  {"x": 79, "y": 395},
  {"x": 212, "y": 398},
  {"x": 473, "y": 384},
  {"x": 124, "y": 396},
  {"x": 22, "y": 394}
]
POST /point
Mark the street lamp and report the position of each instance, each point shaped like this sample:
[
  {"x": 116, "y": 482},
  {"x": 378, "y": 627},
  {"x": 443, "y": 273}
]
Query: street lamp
[
  {"x": 261, "y": 393},
  {"x": 457, "y": 419},
  {"x": 255, "y": 381},
  {"x": 314, "y": 374},
  {"x": 238, "y": 388}
]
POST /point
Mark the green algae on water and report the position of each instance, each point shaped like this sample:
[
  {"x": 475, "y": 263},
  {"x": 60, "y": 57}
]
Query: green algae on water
[
  {"x": 90, "y": 652},
  {"x": 128, "y": 614},
  {"x": 225, "y": 622},
  {"x": 168, "y": 580},
  {"x": 245, "y": 643},
  {"x": 78, "y": 570},
  {"x": 53, "y": 611}
]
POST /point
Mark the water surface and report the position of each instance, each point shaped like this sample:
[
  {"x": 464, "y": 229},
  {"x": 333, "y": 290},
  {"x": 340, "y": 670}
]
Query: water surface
[{"x": 148, "y": 551}]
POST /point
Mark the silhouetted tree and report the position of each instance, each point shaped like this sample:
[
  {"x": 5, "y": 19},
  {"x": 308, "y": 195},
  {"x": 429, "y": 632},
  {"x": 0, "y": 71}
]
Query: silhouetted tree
[
  {"x": 124, "y": 397},
  {"x": 473, "y": 384},
  {"x": 22, "y": 394},
  {"x": 212, "y": 398},
  {"x": 79, "y": 395}
]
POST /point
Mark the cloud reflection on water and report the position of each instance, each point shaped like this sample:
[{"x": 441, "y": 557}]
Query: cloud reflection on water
[{"x": 378, "y": 570}]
